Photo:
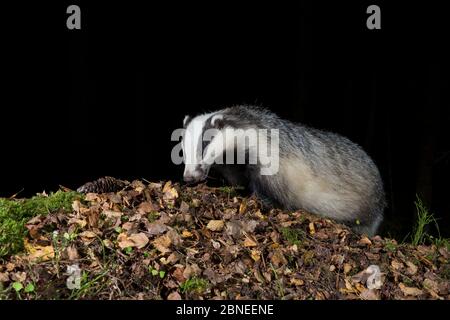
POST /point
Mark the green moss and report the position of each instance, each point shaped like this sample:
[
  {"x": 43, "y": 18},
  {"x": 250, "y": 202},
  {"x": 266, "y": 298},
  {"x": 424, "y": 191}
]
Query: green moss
[
  {"x": 194, "y": 284},
  {"x": 390, "y": 246},
  {"x": 293, "y": 236},
  {"x": 15, "y": 213},
  {"x": 231, "y": 191}
]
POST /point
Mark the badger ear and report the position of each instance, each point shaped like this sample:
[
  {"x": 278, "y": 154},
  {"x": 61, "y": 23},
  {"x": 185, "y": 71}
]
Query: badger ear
[
  {"x": 186, "y": 120},
  {"x": 217, "y": 121}
]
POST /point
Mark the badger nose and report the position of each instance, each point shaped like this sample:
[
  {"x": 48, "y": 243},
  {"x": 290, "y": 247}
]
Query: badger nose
[{"x": 188, "y": 178}]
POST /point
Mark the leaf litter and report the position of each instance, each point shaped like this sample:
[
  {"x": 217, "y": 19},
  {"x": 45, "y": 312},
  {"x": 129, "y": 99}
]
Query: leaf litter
[{"x": 166, "y": 241}]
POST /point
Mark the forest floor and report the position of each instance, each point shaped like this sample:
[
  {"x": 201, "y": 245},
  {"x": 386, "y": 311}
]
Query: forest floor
[{"x": 165, "y": 241}]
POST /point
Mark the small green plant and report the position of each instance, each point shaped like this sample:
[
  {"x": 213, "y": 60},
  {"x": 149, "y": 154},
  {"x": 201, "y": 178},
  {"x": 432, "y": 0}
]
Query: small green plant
[
  {"x": 390, "y": 246},
  {"x": 194, "y": 284},
  {"x": 230, "y": 191},
  {"x": 278, "y": 281},
  {"x": 128, "y": 250},
  {"x": 29, "y": 288},
  {"x": 293, "y": 236},
  {"x": 152, "y": 216},
  {"x": 70, "y": 237},
  {"x": 155, "y": 272},
  {"x": 424, "y": 218},
  {"x": 90, "y": 286},
  {"x": 441, "y": 242}
]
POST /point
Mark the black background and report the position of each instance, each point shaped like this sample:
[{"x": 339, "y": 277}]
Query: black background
[{"x": 103, "y": 100}]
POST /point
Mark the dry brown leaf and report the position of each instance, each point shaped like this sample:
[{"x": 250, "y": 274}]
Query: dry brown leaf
[
  {"x": 174, "y": 237},
  {"x": 184, "y": 207},
  {"x": 364, "y": 241},
  {"x": 186, "y": 234},
  {"x": 146, "y": 207},
  {"x": 278, "y": 258},
  {"x": 170, "y": 193},
  {"x": 397, "y": 265},
  {"x": 243, "y": 207},
  {"x": 178, "y": 274},
  {"x": 162, "y": 244},
  {"x": 174, "y": 296},
  {"x": 88, "y": 234},
  {"x": 412, "y": 268},
  {"x": 369, "y": 294},
  {"x": 430, "y": 285},
  {"x": 297, "y": 282},
  {"x": 138, "y": 240},
  {"x": 72, "y": 253},
  {"x": 4, "y": 276},
  {"x": 38, "y": 253},
  {"x": 215, "y": 225},
  {"x": 347, "y": 268},
  {"x": 156, "y": 228},
  {"x": 92, "y": 197},
  {"x": 248, "y": 242},
  {"x": 81, "y": 222},
  {"x": 410, "y": 291},
  {"x": 109, "y": 214},
  {"x": 312, "y": 229},
  {"x": 18, "y": 276},
  {"x": 191, "y": 270},
  {"x": 10, "y": 266},
  {"x": 256, "y": 254}
]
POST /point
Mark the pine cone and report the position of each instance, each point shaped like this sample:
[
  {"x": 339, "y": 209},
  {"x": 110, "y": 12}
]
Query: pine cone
[{"x": 102, "y": 185}]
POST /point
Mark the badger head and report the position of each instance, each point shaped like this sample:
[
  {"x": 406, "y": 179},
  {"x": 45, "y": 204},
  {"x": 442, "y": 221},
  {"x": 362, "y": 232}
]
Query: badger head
[{"x": 202, "y": 144}]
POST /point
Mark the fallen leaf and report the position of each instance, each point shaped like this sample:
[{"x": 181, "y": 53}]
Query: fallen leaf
[
  {"x": 146, "y": 207},
  {"x": 347, "y": 268},
  {"x": 38, "y": 253},
  {"x": 364, "y": 241},
  {"x": 397, "y": 265},
  {"x": 215, "y": 225},
  {"x": 369, "y": 294},
  {"x": 162, "y": 244},
  {"x": 410, "y": 291},
  {"x": 243, "y": 207},
  {"x": 184, "y": 207},
  {"x": 312, "y": 229},
  {"x": 249, "y": 242},
  {"x": 72, "y": 253},
  {"x": 138, "y": 240},
  {"x": 174, "y": 296},
  {"x": 297, "y": 282},
  {"x": 278, "y": 259},
  {"x": 88, "y": 234},
  {"x": 412, "y": 268},
  {"x": 156, "y": 228},
  {"x": 4, "y": 277},
  {"x": 174, "y": 237},
  {"x": 177, "y": 274},
  {"x": 10, "y": 266},
  {"x": 256, "y": 254},
  {"x": 431, "y": 285},
  {"x": 18, "y": 276},
  {"x": 186, "y": 234}
]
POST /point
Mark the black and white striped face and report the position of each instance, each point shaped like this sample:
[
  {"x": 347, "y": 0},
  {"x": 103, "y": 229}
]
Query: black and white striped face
[{"x": 199, "y": 146}]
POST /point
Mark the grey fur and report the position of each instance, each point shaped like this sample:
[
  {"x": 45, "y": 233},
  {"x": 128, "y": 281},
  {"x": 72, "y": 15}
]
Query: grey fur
[{"x": 320, "y": 172}]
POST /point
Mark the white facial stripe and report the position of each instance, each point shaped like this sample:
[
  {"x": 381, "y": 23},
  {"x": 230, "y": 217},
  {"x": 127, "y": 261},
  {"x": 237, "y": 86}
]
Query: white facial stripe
[{"x": 192, "y": 142}]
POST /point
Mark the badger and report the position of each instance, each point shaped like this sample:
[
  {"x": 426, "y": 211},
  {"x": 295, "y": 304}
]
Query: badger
[{"x": 318, "y": 171}]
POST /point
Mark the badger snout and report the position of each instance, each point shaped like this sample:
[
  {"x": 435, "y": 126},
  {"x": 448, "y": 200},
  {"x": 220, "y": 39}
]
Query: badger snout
[{"x": 196, "y": 174}]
